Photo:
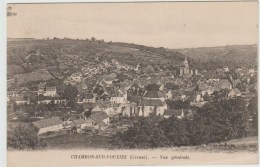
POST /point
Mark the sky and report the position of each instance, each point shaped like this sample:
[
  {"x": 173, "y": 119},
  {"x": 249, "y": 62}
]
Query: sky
[{"x": 168, "y": 24}]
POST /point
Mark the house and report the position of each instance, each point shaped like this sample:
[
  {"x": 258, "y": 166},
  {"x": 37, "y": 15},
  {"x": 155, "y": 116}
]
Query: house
[
  {"x": 118, "y": 97},
  {"x": 151, "y": 106},
  {"x": 223, "y": 84},
  {"x": 129, "y": 110},
  {"x": 41, "y": 87},
  {"x": 87, "y": 98},
  {"x": 21, "y": 99},
  {"x": 88, "y": 106},
  {"x": 105, "y": 106},
  {"x": 204, "y": 88},
  {"x": 100, "y": 120},
  {"x": 234, "y": 92},
  {"x": 108, "y": 80},
  {"x": 108, "y": 108},
  {"x": 196, "y": 97},
  {"x": 154, "y": 95},
  {"x": 79, "y": 123},
  {"x": 169, "y": 94},
  {"x": 190, "y": 90},
  {"x": 161, "y": 87},
  {"x": 53, "y": 124},
  {"x": 180, "y": 114},
  {"x": 251, "y": 71},
  {"x": 82, "y": 124},
  {"x": 178, "y": 95},
  {"x": 68, "y": 122},
  {"x": 225, "y": 69},
  {"x": 50, "y": 91},
  {"x": 101, "y": 117},
  {"x": 76, "y": 77},
  {"x": 49, "y": 100}
]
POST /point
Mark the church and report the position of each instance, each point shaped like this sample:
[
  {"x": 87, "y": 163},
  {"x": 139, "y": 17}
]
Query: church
[{"x": 184, "y": 68}]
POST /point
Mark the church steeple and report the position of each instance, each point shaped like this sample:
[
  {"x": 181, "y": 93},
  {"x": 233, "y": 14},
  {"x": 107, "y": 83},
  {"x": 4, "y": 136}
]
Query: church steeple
[
  {"x": 186, "y": 70},
  {"x": 186, "y": 62}
]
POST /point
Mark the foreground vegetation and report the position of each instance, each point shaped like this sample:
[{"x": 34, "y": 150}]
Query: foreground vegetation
[{"x": 217, "y": 121}]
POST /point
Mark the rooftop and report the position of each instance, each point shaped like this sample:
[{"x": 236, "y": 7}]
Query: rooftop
[
  {"x": 99, "y": 116},
  {"x": 152, "y": 102},
  {"x": 153, "y": 94},
  {"x": 47, "y": 122}
]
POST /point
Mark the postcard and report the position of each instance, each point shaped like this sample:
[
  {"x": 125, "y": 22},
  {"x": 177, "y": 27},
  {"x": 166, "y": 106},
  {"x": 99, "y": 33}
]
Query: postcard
[{"x": 132, "y": 83}]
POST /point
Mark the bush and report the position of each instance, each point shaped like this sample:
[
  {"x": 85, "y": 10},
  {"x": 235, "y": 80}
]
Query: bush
[
  {"x": 144, "y": 134},
  {"x": 25, "y": 137},
  {"x": 214, "y": 122}
]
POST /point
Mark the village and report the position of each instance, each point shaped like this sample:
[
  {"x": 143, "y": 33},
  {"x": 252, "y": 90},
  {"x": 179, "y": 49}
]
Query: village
[{"x": 107, "y": 97}]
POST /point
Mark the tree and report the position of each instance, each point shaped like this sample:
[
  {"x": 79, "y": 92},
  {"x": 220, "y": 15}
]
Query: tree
[
  {"x": 121, "y": 77},
  {"x": 179, "y": 104},
  {"x": 253, "y": 111},
  {"x": 25, "y": 137},
  {"x": 171, "y": 86},
  {"x": 144, "y": 134},
  {"x": 68, "y": 92},
  {"x": 222, "y": 120},
  {"x": 33, "y": 99},
  {"x": 152, "y": 87},
  {"x": 216, "y": 121},
  {"x": 93, "y": 39},
  {"x": 176, "y": 131}
]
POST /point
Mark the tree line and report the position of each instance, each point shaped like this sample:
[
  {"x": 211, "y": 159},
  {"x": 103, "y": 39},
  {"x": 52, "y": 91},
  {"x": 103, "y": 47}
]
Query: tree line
[{"x": 217, "y": 121}]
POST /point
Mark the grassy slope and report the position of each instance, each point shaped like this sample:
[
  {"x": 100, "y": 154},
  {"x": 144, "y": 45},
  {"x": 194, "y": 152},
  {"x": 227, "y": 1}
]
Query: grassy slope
[{"x": 83, "y": 141}]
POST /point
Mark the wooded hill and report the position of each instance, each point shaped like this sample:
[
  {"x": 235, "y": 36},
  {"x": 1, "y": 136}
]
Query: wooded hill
[
  {"x": 217, "y": 57},
  {"x": 28, "y": 55}
]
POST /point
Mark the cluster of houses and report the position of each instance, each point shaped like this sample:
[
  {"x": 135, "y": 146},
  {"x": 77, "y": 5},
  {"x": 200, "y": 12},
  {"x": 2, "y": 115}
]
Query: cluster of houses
[
  {"x": 97, "y": 121},
  {"x": 107, "y": 96}
]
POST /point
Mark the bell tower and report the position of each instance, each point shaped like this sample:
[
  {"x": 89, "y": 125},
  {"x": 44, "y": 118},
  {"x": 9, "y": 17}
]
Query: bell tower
[{"x": 186, "y": 69}]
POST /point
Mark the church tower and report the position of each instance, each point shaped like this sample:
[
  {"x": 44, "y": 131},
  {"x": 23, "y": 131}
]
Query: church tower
[{"x": 186, "y": 69}]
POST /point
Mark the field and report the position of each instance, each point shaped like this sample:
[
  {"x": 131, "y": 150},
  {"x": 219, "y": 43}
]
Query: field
[
  {"x": 83, "y": 141},
  {"x": 248, "y": 144},
  {"x": 33, "y": 76},
  {"x": 77, "y": 141}
]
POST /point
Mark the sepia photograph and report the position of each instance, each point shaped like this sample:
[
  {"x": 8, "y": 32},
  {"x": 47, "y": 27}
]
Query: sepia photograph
[{"x": 132, "y": 83}]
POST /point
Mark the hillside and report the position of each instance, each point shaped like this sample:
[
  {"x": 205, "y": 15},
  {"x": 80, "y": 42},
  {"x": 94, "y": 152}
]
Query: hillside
[
  {"x": 217, "y": 57},
  {"x": 27, "y": 55}
]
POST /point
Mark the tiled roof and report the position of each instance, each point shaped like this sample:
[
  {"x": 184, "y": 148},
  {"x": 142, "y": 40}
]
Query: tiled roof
[
  {"x": 50, "y": 88},
  {"x": 73, "y": 117},
  {"x": 152, "y": 102},
  {"x": 87, "y": 96},
  {"x": 79, "y": 121},
  {"x": 235, "y": 91},
  {"x": 20, "y": 98},
  {"x": 99, "y": 116},
  {"x": 203, "y": 87},
  {"x": 153, "y": 94},
  {"x": 47, "y": 122},
  {"x": 88, "y": 105}
]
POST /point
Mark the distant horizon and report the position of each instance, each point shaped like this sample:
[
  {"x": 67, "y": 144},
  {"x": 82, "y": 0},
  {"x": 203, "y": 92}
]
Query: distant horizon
[
  {"x": 140, "y": 44},
  {"x": 165, "y": 24}
]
